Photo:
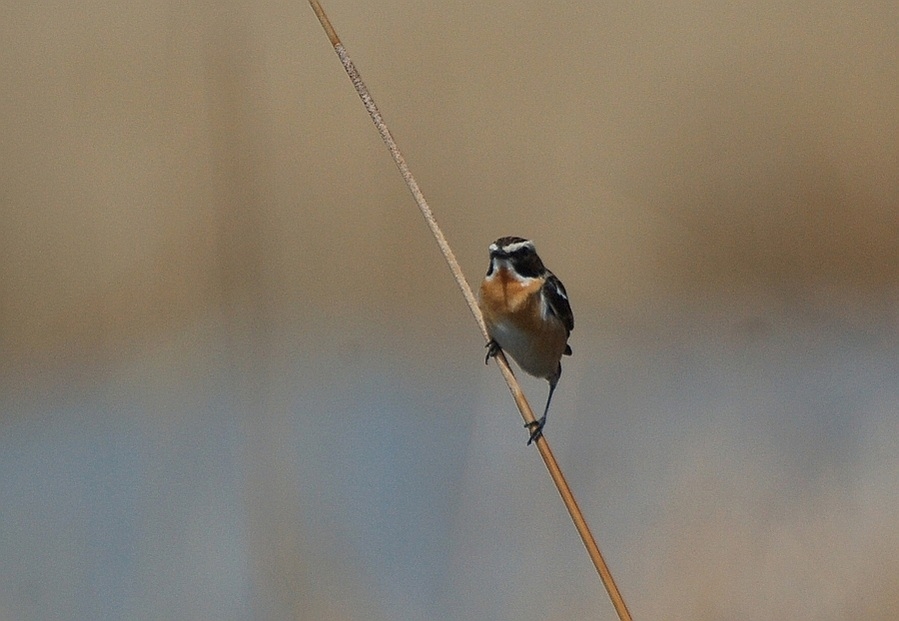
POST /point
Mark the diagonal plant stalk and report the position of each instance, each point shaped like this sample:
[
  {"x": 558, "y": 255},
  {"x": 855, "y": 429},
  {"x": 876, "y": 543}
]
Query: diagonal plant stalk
[{"x": 518, "y": 395}]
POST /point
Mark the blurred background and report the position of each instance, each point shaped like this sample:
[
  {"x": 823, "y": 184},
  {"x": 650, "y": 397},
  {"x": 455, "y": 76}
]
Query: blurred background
[{"x": 238, "y": 382}]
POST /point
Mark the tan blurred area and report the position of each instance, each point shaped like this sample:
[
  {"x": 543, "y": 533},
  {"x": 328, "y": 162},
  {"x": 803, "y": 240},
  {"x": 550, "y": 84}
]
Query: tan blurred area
[
  {"x": 260, "y": 395},
  {"x": 165, "y": 160}
]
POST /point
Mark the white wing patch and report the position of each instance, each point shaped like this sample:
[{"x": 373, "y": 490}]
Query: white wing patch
[
  {"x": 560, "y": 291},
  {"x": 555, "y": 301}
]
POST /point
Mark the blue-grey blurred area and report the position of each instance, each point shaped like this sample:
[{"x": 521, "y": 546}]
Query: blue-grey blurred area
[{"x": 237, "y": 380}]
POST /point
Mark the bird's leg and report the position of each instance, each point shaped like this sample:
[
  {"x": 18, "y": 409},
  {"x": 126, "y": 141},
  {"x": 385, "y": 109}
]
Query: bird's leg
[
  {"x": 493, "y": 348},
  {"x": 536, "y": 427}
]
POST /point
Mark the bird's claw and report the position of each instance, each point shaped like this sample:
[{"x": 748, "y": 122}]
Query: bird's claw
[
  {"x": 536, "y": 428},
  {"x": 493, "y": 348}
]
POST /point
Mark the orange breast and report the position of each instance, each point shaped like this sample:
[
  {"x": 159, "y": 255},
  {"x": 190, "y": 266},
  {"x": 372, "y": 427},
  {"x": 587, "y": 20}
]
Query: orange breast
[{"x": 505, "y": 297}]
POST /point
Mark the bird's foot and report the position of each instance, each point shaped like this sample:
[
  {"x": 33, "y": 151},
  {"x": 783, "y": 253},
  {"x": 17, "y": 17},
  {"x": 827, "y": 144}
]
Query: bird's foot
[
  {"x": 536, "y": 428},
  {"x": 493, "y": 348}
]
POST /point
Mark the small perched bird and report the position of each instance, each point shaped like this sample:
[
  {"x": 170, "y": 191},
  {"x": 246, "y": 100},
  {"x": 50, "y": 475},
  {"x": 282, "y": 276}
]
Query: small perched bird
[{"x": 527, "y": 313}]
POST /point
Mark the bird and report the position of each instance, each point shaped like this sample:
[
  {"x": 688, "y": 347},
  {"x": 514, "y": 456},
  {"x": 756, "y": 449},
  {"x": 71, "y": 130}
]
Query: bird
[{"x": 527, "y": 314}]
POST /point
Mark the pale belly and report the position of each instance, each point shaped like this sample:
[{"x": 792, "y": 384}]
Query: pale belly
[{"x": 537, "y": 356}]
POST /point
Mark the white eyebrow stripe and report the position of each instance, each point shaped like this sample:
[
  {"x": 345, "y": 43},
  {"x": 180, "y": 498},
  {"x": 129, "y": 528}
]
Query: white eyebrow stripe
[{"x": 518, "y": 246}]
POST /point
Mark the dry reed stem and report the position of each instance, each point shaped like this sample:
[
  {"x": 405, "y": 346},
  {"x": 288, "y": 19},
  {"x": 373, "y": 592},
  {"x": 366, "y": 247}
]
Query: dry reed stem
[{"x": 518, "y": 395}]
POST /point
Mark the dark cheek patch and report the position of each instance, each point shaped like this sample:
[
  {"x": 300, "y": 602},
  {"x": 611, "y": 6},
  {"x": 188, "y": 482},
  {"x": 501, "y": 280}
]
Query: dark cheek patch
[{"x": 529, "y": 265}]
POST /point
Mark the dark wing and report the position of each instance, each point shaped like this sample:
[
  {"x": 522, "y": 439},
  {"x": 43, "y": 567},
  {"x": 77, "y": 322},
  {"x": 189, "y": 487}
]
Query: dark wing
[{"x": 557, "y": 298}]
